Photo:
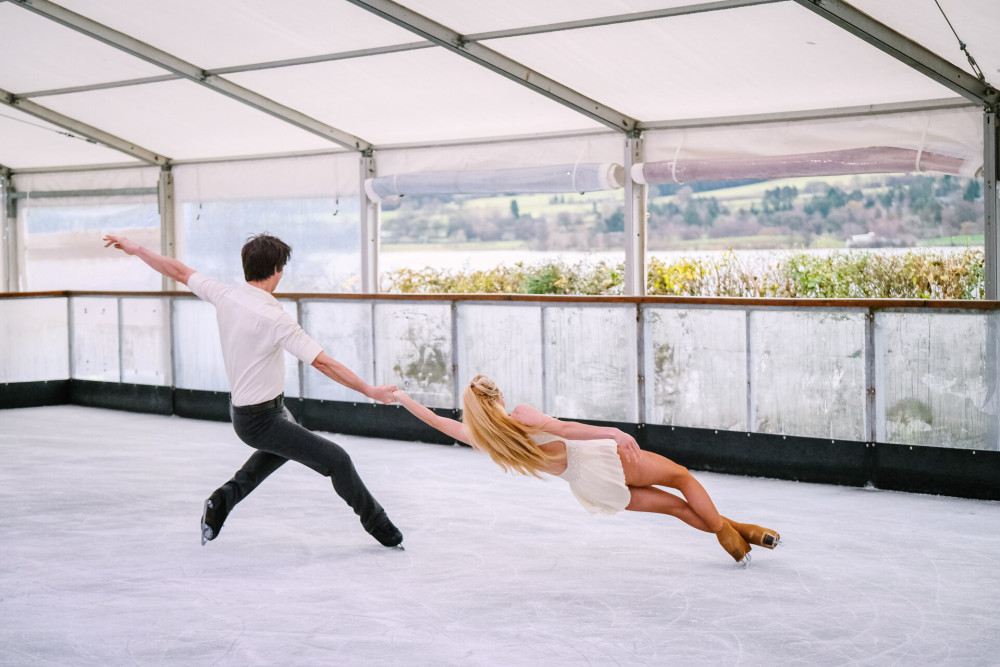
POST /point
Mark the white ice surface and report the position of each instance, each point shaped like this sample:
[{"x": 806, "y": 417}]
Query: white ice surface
[{"x": 100, "y": 563}]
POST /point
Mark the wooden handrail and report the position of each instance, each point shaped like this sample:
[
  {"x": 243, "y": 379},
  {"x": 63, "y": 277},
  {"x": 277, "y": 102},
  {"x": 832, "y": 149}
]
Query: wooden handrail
[{"x": 743, "y": 302}]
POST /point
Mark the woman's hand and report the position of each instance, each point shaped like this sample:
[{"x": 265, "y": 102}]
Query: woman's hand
[
  {"x": 383, "y": 394},
  {"x": 627, "y": 445}
]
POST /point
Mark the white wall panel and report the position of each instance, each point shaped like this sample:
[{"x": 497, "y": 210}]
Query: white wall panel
[
  {"x": 590, "y": 362},
  {"x": 695, "y": 367},
  {"x": 413, "y": 350},
  {"x": 34, "y": 337},
  {"x": 145, "y": 353},
  {"x": 808, "y": 373},
  {"x": 197, "y": 350},
  {"x": 932, "y": 375},
  {"x": 344, "y": 329},
  {"x": 503, "y": 342},
  {"x": 96, "y": 339}
]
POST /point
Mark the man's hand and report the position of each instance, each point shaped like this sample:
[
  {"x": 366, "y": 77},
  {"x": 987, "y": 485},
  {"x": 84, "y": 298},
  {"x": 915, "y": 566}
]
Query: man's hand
[
  {"x": 383, "y": 393},
  {"x": 168, "y": 266},
  {"x": 122, "y": 243}
]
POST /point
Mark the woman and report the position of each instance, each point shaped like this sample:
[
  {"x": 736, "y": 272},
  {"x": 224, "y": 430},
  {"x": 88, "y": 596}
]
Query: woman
[{"x": 607, "y": 473}]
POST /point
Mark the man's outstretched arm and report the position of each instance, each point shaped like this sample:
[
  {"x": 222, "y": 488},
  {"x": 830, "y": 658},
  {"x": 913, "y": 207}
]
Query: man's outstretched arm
[
  {"x": 168, "y": 266},
  {"x": 338, "y": 372}
]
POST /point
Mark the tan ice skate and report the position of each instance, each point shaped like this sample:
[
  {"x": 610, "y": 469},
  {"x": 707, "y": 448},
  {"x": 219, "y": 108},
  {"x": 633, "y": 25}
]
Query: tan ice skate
[
  {"x": 734, "y": 544},
  {"x": 756, "y": 535}
]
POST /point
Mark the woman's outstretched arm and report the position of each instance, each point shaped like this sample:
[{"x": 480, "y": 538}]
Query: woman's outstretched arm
[
  {"x": 535, "y": 418},
  {"x": 449, "y": 427}
]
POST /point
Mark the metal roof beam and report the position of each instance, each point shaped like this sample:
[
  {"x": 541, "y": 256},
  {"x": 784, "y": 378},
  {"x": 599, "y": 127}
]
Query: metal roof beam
[
  {"x": 904, "y": 50},
  {"x": 188, "y": 71},
  {"x": 496, "y": 62},
  {"x": 252, "y": 67},
  {"x": 69, "y": 90},
  {"x": 668, "y": 12},
  {"x": 79, "y": 128}
]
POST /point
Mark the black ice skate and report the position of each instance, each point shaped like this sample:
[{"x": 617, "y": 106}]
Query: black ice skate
[
  {"x": 213, "y": 515},
  {"x": 386, "y": 533}
]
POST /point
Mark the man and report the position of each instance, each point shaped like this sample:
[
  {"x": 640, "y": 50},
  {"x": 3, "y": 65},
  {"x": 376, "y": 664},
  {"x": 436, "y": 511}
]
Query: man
[{"x": 255, "y": 331}]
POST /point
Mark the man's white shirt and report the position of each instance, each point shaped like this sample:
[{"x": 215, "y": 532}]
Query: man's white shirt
[{"x": 255, "y": 331}]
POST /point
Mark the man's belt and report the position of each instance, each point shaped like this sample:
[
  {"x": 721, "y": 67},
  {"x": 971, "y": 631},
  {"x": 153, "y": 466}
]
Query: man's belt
[{"x": 257, "y": 408}]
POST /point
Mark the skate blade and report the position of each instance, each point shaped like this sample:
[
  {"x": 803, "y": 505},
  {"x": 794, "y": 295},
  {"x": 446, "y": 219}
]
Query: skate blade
[
  {"x": 206, "y": 531},
  {"x": 745, "y": 563}
]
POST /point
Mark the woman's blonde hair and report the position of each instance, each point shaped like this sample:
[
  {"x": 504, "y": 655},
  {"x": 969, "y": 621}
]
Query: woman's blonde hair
[{"x": 493, "y": 431}]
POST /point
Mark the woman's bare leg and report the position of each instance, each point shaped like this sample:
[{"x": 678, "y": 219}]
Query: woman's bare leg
[
  {"x": 652, "y": 499},
  {"x": 652, "y": 469},
  {"x": 699, "y": 511}
]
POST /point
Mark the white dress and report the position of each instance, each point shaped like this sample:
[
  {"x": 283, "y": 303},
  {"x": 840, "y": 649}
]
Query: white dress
[{"x": 594, "y": 473}]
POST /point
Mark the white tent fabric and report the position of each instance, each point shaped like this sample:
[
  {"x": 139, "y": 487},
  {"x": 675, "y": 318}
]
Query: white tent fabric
[
  {"x": 761, "y": 59},
  {"x": 330, "y": 61}
]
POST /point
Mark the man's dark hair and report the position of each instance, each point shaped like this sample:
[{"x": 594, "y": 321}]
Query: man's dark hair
[{"x": 263, "y": 256}]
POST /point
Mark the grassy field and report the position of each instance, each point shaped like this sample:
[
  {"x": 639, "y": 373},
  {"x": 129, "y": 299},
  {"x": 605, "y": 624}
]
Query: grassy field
[
  {"x": 970, "y": 240},
  {"x": 743, "y": 196},
  {"x": 541, "y": 206}
]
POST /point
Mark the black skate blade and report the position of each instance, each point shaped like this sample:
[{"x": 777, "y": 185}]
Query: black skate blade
[{"x": 206, "y": 531}]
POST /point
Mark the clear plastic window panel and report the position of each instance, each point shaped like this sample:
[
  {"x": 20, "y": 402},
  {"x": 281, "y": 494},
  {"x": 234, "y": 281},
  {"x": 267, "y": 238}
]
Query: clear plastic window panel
[
  {"x": 505, "y": 343},
  {"x": 344, "y": 329},
  {"x": 591, "y": 362},
  {"x": 933, "y": 379},
  {"x": 34, "y": 336},
  {"x": 695, "y": 367},
  {"x": 95, "y": 339},
  {"x": 808, "y": 373},
  {"x": 413, "y": 350},
  {"x": 145, "y": 356},
  {"x": 456, "y": 234},
  {"x": 197, "y": 350},
  {"x": 63, "y": 247},
  {"x": 324, "y": 233}
]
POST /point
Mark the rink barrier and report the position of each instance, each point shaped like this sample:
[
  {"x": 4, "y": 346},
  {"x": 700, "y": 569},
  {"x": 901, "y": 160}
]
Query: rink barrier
[
  {"x": 961, "y": 473},
  {"x": 34, "y": 394},
  {"x": 144, "y": 351}
]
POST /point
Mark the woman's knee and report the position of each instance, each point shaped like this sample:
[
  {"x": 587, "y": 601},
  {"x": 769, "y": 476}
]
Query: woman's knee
[{"x": 681, "y": 477}]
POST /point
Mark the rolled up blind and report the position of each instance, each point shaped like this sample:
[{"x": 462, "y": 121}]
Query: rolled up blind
[
  {"x": 559, "y": 178},
  {"x": 871, "y": 160}
]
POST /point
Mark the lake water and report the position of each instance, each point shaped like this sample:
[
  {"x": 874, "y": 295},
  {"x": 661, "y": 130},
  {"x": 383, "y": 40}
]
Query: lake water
[{"x": 488, "y": 259}]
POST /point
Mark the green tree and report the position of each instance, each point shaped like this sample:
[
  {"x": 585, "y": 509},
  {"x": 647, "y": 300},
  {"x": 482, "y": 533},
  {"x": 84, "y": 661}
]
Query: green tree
[
  {"x": 514, "y": 210},
  {"x": 972, "y": 191}
]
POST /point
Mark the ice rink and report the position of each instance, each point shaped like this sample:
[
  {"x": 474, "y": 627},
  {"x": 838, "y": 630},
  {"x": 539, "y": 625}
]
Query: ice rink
[{"x": 101, "y": 564}]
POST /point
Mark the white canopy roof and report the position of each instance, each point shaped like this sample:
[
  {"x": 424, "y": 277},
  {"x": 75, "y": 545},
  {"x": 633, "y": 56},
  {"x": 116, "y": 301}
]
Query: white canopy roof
[{"x": 98, "y": 82}]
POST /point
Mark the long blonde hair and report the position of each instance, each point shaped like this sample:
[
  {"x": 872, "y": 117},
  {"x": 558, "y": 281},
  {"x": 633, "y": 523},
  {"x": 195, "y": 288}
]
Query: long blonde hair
[{"x": 493, "y": 431}]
